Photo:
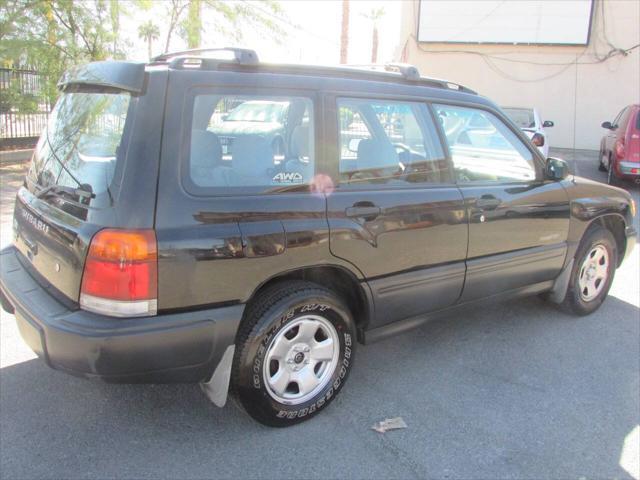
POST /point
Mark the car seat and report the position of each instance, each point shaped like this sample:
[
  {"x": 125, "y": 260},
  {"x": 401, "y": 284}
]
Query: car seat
[
  {"x": 205, "y": 157},
  {"x": 300, "y": 161},
  {"x": 251, "y": 162}
]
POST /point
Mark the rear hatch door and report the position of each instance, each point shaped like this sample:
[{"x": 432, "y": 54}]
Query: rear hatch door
[{"x": 75, "y": 176}]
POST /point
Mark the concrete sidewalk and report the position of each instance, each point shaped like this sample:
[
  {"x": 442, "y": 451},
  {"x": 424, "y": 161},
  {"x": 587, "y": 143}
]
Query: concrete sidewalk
[{"x": 15, "y": 156}]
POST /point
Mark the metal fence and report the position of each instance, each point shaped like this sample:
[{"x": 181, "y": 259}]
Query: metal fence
[{"x": 24, "y": 107}]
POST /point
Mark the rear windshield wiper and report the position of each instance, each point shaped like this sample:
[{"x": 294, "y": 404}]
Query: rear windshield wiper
[
  {"x": 62, "y": 163},
  {"x": 83, "y": 191}
]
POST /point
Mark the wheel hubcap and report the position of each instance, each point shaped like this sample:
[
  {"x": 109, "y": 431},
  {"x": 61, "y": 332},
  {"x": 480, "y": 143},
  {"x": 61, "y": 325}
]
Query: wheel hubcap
[
  {"x": 593, "y": 273},
  {"x": 301, "y": 359}
]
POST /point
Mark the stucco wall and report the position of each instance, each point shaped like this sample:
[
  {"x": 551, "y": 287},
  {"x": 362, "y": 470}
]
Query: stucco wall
[{"x": 564, "y": 83}]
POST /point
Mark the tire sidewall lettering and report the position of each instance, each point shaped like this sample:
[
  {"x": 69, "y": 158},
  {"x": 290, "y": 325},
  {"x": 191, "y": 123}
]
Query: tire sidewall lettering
[{"x": 286, "y": 412}]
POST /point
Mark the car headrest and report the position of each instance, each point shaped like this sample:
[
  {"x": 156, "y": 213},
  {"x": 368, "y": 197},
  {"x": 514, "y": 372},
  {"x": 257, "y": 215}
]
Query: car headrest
[
  {"x": 374, "y": 154},
  {"x": 300, "y": 142},
  {"x": 206, "y": 151},
  {"x": 251, "y": 156}
]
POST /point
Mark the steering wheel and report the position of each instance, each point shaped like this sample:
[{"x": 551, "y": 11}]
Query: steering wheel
[{"x": 402, "y": 148}]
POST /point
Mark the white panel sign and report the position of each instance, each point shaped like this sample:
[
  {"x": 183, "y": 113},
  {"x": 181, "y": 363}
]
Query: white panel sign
[{"x": 564, "y": 22}]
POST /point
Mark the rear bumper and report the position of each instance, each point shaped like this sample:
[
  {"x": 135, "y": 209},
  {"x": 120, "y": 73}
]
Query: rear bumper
[
  {"x": 629, "y": 169},
  {"x": 631, "y": 237},
  {"x": 180, "y": 347}
]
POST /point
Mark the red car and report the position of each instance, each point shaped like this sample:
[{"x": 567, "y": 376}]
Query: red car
[{"x": 620, "y": 147}]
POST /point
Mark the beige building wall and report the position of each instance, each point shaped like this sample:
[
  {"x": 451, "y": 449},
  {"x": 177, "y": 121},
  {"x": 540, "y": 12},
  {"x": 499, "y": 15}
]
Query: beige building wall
[{"x": 569, "y": 85}]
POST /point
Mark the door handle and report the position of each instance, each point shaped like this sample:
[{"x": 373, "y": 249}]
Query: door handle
[
  {"x": 488, "y": 202},
  {"x": 367, "y": 212},
  {"x": 32, "y": 246}
]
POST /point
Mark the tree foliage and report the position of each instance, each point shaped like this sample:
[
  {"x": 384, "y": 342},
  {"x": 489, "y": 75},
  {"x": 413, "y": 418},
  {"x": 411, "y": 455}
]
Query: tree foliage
[
  {"x": 52, "y": 35},
  {"x": 375, "y": 14},
  {"x": 149, "y": 32},
  {"x": 228, "y": 18}
]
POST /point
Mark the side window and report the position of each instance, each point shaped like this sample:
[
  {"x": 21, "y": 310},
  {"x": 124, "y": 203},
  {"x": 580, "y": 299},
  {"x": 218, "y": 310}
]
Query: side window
[
  {"x": 483, "y": 148},
  {"x": 623, "y": 118},
  {"x": 240, "y": 141},
  {"x": 617, "y": 119},
  {"x": 386, "y": 142}
]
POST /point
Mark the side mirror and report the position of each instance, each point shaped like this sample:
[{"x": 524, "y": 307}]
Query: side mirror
[
  {"x": 548, "y": 124},
  {"x": 353, "y": 145},
  {"x": 538, "y": 139},
  {"x": 556, "y": 168},
  {"x": 607, "y": 125}
]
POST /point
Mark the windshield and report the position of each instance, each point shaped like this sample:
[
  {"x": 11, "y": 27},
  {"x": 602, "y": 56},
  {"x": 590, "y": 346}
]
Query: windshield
[
  {"x": 522, "y": 117},
  {"x": 81, "y": 142},
  {"x": 258, "y": 111}
]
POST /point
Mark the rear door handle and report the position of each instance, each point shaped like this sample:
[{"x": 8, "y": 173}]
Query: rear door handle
[
  {"x": 488, "y": 202},
  {"x": 367, "y": 212}
]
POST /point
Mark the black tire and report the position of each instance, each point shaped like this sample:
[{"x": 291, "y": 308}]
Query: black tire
[
  {"x": 274, "y": 309},
  {"x": 574, "y": 302},
  {"x": 601, "y": 165},
  {"x": 612, "y": 178}
]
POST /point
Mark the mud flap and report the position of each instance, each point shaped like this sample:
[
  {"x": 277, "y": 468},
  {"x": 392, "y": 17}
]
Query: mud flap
[
  {"x": 217, "y": 387},
  {"x": 559, "y": 289}
]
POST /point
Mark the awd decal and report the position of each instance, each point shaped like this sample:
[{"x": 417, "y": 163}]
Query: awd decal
[{"x": 287, "y": 177}]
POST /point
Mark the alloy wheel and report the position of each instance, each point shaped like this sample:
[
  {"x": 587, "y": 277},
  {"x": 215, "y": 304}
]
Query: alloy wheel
[
  {"x": 301, "y": 359},
  {"x": 593, "y": 273}
]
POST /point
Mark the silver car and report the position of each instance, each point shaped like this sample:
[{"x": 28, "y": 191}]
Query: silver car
[{"x": 529, "y": 121}]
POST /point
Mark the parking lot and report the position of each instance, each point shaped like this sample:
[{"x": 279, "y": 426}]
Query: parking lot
[{"x": 508, "y": 390}]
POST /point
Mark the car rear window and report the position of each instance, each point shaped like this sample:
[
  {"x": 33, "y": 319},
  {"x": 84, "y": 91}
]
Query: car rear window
[
  {"x": 522, "y": 117},
  {"x": 251, "y": 143},
  {"x": 82, "y": 141}
]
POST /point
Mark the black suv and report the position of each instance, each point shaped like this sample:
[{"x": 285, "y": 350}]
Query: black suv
[{"x": 155, "y": 243}]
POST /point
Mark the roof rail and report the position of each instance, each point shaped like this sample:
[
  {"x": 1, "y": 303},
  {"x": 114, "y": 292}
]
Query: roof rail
[
  {"x": 411, "y": 73},
  {"x": 247, "y": 58},
  {"x": 242, "y": 56},
  {"x": 408, "y": 71}
]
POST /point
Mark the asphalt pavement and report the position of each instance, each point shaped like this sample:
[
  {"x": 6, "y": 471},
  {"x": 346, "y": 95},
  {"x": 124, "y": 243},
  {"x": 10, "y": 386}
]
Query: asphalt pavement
[{"x": 514, "y": 389}]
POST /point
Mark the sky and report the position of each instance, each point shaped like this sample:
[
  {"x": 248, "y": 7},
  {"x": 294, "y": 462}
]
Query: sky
[{"x": 313, "y": 32}]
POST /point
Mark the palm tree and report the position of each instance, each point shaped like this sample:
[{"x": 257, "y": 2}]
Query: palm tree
[
  {"x": 114, "y": 12},
  {"x": 344, "y": 34},
  {"x": 149, "y": 31},
  {"x": 374, "y": 15},
  {"x": 193, "y": 24}
]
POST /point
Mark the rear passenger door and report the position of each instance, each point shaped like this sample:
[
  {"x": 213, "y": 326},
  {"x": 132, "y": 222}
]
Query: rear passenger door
[
  {"x": 395, "y": 212},
  {"x": 518, "y": 220},
  {"x": 234, "y": 203}
]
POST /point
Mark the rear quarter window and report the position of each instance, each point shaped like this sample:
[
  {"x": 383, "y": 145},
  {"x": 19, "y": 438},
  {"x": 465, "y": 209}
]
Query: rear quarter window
[{"x": 250, "y": 144}]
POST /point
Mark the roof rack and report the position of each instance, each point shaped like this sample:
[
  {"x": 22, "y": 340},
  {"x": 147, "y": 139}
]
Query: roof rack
[
  {"x": 242, "y": 56},
  {"x": 408, "y": 71},
  {"x": 247, "y": 58},
  {"x": 411, "y": 73}
]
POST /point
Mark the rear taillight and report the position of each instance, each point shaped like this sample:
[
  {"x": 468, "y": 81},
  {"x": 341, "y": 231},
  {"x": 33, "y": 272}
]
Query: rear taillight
[
  {"x": 620, "y": 148},
  {"x": 121, "y": 274}
]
